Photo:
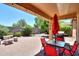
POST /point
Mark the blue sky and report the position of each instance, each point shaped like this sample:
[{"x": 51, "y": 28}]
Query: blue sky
[{"x": 10, "y": 15}]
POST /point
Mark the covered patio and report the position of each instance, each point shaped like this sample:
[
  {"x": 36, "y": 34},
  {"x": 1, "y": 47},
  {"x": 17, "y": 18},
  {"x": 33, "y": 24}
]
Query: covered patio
[{"x": 47, "y": 11}]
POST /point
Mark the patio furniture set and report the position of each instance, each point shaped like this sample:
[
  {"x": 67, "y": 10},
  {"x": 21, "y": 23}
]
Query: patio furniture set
[{"x": 58, "y": 47}]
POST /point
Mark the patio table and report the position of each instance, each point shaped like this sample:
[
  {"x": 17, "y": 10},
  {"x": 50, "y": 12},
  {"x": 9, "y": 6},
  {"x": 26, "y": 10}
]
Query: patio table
[{"x": 56, "y": 43}]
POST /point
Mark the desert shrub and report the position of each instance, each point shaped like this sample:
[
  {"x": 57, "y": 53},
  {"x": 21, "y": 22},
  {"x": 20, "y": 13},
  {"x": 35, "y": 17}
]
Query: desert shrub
[
  {"x": 9, "y": 33},
  {"x": 17, "y": 34}
]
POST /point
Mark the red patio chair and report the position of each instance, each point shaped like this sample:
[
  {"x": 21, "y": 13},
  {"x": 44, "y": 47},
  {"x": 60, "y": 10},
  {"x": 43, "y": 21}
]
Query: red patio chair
[
  {"x": 43, "y": 42},
  {"x": 72, "y": 51},
  {"x": 67, "y": 52},
  {"x": 48, "y": 50},
  {"x": 74, "y": 48}
]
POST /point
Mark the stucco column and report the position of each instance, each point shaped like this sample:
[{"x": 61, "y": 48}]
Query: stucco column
[
  {"x": 74, "y": 24},
  {"x": 50, "y": 30},
  {"x": 77, "y": 28}
]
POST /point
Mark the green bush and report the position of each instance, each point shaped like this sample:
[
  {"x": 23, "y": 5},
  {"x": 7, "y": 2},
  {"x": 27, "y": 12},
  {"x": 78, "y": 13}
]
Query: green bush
[
  {"x": 1, "y": 36},
  {"x": 66, "y": 29},
  {"x": 9, "y": 33},
  {"x": 17, "y": 34},
  {"x": 2, "y": 33},
  {"x": 26, "y": 31}
]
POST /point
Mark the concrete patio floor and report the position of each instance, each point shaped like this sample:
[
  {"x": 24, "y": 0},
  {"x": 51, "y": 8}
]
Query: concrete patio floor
[{"x": 26, "y": 46}]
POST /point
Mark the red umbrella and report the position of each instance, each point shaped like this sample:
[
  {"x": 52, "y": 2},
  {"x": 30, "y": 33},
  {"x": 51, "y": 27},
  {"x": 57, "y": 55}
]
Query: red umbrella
[{"x": 55, "y": 25}]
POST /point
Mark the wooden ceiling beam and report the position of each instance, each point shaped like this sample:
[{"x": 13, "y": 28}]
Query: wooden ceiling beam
[
  {"x": 34, "y": 9},
  {"x": 40, "y": 12},
  {"x": 72, "y": 15}
]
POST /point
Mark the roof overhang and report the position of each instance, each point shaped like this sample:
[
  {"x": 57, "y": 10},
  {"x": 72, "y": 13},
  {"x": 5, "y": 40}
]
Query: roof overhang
[{"x": 47, "y": 10}]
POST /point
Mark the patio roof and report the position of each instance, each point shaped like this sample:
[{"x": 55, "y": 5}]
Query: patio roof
[{"x": 47, "y": 10}]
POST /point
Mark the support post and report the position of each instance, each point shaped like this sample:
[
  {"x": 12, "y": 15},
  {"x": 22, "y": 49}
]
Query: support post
[
  {"x": 50, "y": 29},
  {"x": 74, "y": 24},
  {"x": 77, "y": 29}
]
